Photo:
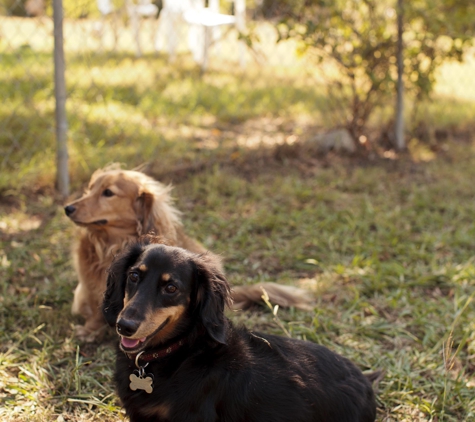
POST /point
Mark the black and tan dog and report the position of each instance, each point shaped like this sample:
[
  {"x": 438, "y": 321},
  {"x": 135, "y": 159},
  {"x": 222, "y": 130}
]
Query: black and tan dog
[{"x": 181, "y": 359}]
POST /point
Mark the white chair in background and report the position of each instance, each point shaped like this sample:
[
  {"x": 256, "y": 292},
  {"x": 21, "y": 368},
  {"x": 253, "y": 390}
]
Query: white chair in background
[
  {"x": 171, "y": 25},
  {"x": 107, "y": 10},
  {"x": 105, "y": 7},
  {"x": 203, "y": 23},
  {"x": 137, "y": 11}
]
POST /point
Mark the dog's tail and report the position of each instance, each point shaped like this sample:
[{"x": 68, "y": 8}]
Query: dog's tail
[{"x": 282, "y": 295}]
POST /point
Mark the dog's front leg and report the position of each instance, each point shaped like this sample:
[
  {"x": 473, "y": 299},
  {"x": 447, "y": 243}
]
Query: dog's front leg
[
  {"x": 91, "y": 331},
  {"x": 86, "y": 306}
]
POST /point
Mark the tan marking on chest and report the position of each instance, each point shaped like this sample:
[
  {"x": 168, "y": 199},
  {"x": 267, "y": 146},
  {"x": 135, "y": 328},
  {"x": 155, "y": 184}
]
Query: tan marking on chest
[{"x": 161, "y": 411}]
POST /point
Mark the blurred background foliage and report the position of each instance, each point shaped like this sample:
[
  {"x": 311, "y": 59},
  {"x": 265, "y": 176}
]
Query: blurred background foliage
[
  {"x": 360, "y": 39},
  {"x": 312, "y": 66}
]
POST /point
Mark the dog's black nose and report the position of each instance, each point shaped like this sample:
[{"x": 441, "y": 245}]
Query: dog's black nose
[
  {"x": 127, "y": 327},
  {"x": 69, "y": 209}
]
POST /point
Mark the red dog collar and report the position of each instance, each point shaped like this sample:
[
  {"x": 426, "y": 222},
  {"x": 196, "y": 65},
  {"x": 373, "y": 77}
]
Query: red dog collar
[{"x": 157, "y": 353}]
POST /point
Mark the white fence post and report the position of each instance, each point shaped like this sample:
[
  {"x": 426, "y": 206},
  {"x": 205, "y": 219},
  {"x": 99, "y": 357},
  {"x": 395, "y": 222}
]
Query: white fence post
[{"x": 399, "y": 129}]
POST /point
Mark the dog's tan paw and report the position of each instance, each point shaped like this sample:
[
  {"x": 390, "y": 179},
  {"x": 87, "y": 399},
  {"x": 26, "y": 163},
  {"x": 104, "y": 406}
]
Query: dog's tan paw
[{"x": 86, "y": 335}]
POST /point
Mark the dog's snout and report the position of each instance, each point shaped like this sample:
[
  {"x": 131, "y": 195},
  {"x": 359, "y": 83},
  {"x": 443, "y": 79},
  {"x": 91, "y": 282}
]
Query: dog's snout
[
  {"x": 127, "y": 327},
  {"x": 69, "y": 209}
]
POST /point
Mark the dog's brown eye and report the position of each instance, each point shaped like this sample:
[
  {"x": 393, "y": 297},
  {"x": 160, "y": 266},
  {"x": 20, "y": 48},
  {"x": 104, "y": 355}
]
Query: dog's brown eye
[
  {"x": 171, "y": 288},
  {"x": 134, "y": 277},
  {"x": 108, "y": 193}
]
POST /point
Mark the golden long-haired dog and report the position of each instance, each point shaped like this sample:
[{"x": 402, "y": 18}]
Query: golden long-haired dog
[{"x": 119, "y": 206}]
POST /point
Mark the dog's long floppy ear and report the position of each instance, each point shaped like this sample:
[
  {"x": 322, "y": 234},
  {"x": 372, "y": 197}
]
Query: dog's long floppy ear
[
  {"x": 213, "y": 294},
  {"x": 116, "y": 281},
  {"x": 155, "y": 211}
]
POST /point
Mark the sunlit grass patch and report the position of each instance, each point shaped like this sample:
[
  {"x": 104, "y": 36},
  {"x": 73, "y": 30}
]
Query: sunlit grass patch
[
  {"x": 141, "y": 103},
  {"x": 447, "y": 112}
]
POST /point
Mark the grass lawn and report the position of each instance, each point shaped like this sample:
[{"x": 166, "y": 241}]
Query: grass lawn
[{"x": 386, "y": 246}]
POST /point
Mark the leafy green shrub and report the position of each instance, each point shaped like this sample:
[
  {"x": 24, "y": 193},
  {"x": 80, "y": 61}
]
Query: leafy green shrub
[{"x": 355, "y": 43}]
